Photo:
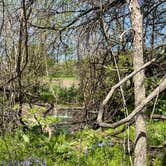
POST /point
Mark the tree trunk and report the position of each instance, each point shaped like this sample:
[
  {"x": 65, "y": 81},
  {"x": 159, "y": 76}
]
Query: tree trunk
[
  {"x": 139, "y": 88},
  {"x": 19, "y": 60}
]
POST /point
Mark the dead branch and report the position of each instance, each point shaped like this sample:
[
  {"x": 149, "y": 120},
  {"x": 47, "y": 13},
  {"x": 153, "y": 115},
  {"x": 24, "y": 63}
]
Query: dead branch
[
  {"x": 138, "y": 109},
  {"x": 156, "y": 116},
  {"x": 109, "y": 95},
  {"x": 157, "y": 147},
  {"x": 51, "y": 106},
  {"x": 125, "y": 32}
]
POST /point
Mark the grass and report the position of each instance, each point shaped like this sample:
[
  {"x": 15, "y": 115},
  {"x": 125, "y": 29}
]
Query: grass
[{"x": 60, "y": 77}]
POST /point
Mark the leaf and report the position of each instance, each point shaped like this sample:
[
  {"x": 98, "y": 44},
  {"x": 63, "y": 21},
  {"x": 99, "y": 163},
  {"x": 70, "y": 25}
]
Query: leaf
[
  {"x": 110, "y": 67},
  {"x": 25, "y": 138},
  {"x": 16, "y": 107}
]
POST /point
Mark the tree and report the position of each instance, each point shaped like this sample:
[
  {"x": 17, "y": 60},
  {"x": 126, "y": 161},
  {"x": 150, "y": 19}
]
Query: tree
[
  {"x": 139, "y": 87},
  {"x": 97, "y": 33}
]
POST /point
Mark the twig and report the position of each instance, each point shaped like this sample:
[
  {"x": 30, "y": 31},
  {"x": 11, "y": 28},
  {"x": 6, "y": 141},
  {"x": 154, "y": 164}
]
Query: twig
[{"x": 154, "y": 106}]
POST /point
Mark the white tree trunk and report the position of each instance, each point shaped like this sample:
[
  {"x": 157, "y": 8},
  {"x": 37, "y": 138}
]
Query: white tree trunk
[{"x": 139, "y": 88}]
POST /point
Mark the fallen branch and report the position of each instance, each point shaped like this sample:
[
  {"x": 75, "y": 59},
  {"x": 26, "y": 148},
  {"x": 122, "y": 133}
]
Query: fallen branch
[
  {"x": 159, "y": 89},
  {"x": 157, "y": 147},
  {"x": 156, "y": 116},
  {"x": 109, "y": 95}
]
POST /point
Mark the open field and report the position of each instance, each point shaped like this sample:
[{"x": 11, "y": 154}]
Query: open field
[{"x": 63, "y": 82}]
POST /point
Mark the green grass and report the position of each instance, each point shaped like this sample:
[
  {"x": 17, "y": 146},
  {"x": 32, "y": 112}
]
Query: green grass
[{"x": 156, "y": 131}]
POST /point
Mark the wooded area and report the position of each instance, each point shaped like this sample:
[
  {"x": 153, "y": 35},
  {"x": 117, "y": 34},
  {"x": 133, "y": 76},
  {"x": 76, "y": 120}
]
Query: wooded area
[{"x": 83, "y": 82}]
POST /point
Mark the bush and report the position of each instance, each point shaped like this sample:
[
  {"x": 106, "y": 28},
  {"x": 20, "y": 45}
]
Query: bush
[{"x": 69, "y": 95}]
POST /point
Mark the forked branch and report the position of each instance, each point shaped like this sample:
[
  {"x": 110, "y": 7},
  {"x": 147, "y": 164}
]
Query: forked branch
[
  {"x": 159, "y": 89},
  {"x": 109, "y": 95}
]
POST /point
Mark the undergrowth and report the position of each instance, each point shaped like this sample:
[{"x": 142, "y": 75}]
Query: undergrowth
[{"x": 85, "y": 147}]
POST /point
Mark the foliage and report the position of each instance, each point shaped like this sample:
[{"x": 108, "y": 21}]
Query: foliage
[
  {"x": 47, "y": 96},
  {"x": 68, "y": 39},
  {"x": 85, "y": 147},
  {"x": 63, "y": 69},
  {"x": 70, "y": 95},
  {"x": 156, "y": 133},
  {"x": 61, "y": 149}
]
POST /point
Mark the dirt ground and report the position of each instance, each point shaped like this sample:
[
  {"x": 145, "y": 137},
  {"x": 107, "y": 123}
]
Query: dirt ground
[{"x": 63, "y": 83}]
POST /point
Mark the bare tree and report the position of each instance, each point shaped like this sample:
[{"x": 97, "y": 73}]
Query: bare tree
[{"x": 139, "y": 87}]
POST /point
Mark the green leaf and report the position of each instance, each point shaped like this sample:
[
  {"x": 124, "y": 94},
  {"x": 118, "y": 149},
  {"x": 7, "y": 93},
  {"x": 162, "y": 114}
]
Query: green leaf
[{"x": 25, "y": 138}]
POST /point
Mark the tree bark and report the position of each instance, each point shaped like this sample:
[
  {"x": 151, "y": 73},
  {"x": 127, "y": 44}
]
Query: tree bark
[
  {"x": 139, "y": 88},
  {"x": 19, "y": 60}
]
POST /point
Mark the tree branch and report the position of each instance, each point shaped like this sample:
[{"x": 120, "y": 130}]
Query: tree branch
[
  {"x": 156, "y": 116},
  {"x": 109, "y": 95},
  {"x": 138, "y": 109}
]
